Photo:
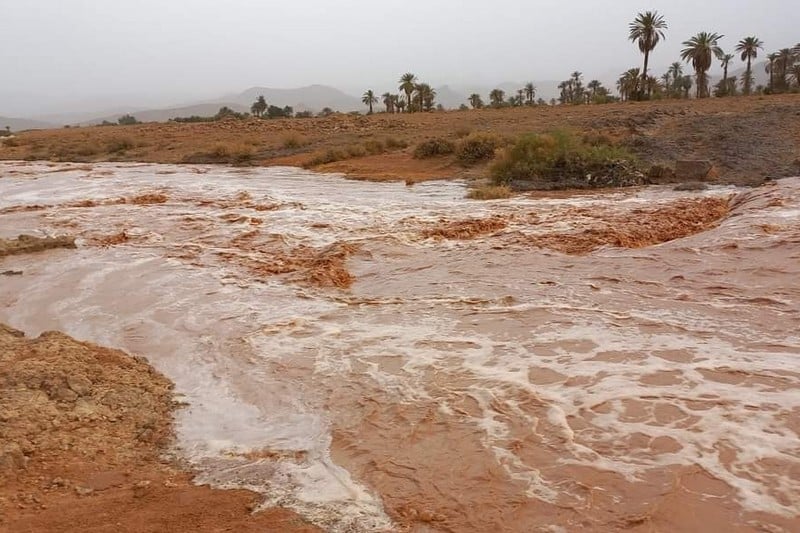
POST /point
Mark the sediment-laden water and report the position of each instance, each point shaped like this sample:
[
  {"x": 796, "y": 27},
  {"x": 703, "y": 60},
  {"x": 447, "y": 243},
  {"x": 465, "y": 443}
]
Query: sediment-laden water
[{"x": 346, "y": 359}]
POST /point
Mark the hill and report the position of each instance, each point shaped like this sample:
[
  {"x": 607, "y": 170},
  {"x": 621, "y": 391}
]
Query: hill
[
  {"x": 310, "y": 98},
  {"x": 163, "y": 115},
  {"x": 20, "y": 124}
]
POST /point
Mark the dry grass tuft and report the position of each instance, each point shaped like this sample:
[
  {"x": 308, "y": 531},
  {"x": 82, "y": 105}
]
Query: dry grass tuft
[{"x": 490, "y": 192}]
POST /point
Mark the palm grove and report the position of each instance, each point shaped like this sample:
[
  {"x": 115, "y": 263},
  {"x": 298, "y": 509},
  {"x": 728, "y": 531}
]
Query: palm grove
[
  {"x": 647, "y": 30},
  {"x": 683, "y": 79}
]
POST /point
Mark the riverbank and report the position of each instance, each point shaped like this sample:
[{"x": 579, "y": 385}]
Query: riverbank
[
  {"x": 83, "y": 439},
  {"x": 747, "y": 139}
]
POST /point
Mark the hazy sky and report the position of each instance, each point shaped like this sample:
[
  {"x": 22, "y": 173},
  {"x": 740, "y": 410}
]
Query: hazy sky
[{"x": 81, "y": 54}]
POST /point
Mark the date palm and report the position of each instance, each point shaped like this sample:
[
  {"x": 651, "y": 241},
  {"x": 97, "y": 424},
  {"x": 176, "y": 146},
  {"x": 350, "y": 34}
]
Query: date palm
[
  {"x": 700, "y": 51},
  {"x": 594, "y": 86},
  {"x": 475, "y": 101},
  {"x": 676, "y": 71},
  {"x": 497, "y": 97},
  {"x": 647, "y": 30},
  {"x": 748, "y": 48},
  {"x": 787, "y": 58},
  {"x": 796, "y": 74},
  {"x": 388, "y": 101},
  {"x": 424, "y": 97},
  {"x": 369, "y": 98},
  {"x": 408, "y": 83},
  {"x": 530, "y": 92},
  {"x": 770, "y": 68},
  {"x": 725, "y": 60}
]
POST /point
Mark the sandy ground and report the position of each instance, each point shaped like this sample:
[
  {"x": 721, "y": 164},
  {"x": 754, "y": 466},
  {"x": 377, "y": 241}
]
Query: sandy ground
[
  {"x": 82, "y": 441},
  {"x": 747, "y": 138}
]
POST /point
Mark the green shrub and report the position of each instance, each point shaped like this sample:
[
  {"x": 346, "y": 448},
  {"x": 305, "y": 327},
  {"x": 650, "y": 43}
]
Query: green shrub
[
  {"x": 433, "y": 148},
  {"x": 557, "y": 159},
  {"x": 477, "y": 147}
]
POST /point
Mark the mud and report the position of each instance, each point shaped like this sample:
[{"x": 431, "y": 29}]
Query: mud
[
  {"x": 81, "y": 442},
  {"x": 457, "y": 384},
  {"x": 465, "y": 229},
  {"x": 641, "y": 228}
]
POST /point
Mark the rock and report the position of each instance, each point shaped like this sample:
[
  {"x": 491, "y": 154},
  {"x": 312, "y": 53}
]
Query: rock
[
  {"x": 64, "y": 394},
  {"x": 79, "y": 384},
  {"x": 695, "y": 170},
  {"x": 140, "y": 489},
  {"x": 12, "y": 458},
  {"x": 660, "y": 174},
  {"x": 691, "y": 186},
  {"x": 83, "y": 491},
  {"x": 11, "y": 273}
]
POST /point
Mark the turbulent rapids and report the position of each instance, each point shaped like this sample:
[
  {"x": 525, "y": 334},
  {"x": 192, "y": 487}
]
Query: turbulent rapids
[{"x": 385, "y": 358}]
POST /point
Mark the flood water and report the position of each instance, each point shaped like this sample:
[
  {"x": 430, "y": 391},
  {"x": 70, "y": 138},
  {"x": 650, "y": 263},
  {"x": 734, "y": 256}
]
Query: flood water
[{"x": 457, "y": 385}]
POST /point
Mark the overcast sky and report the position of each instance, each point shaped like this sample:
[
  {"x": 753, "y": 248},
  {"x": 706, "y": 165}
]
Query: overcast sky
[{"x": 83, "y": 54}]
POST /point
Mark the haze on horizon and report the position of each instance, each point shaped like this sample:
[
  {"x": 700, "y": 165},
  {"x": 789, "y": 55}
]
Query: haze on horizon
[{"x": 58, "y": 56}]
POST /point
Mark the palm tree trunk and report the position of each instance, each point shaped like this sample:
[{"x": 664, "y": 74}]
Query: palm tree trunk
[
  {"x": 644, "y": 72},
  {"x": 748, "y": 79},
  {"x": 725, "y": 81}
]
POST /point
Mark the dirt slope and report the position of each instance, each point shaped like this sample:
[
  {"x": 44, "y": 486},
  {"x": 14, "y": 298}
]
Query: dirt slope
[
  {"x": 83, "y": 430},
  {"x": 748, "y": 138}
]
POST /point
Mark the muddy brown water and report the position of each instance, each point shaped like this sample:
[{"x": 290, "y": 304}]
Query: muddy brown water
[{"x": 456, "y": 385}]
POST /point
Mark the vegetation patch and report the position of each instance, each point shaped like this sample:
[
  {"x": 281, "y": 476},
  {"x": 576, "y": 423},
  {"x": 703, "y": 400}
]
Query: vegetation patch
[
  {"x": 433, "y": 148},
  {"x": 331, "y": 155},
  {"x": 292, "y": 141},
  {"x": 120, "y": 144},
  {"x": 559, "y": 160},
  {"x": 477, "y": 147},
  {"x": 235, "y": 154},
  {"x": 393, "y": 143},
  {"x": 489, "y": 191}
]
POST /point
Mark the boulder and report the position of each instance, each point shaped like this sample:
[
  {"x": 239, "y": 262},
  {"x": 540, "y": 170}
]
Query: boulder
[
  {"x": 695, "y": 170},
  {"x": 660, "y": 174}
]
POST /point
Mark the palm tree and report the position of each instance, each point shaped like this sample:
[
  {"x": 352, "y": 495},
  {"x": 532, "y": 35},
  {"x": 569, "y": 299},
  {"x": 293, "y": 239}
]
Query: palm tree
[
  {"x": 700, "y": 50},
  {"x": 497, "y": 97},
  {"x": 726, "y": 61},
  {"x": 475, "y": 101},
  {"x": 408, "y": 83},
  {"x": 259, "y": 106},
  {"x": 530, "y": 92},
  {"x": 686, "y": 85},
  {"x": 594, "y": 86},
  {"x": 388, "y": 101},
  {"x": 629, "y": 83},
  {"x": 369, "y": 98},
  {"x": 771, "y": 70},
  {"x": 796, "y": 74},
  {"x": 647, "y": 29},
  {"x": 748, "y": 48},
  {"x": 787, "y": 58},
  {"x": 676, "y": 70},
  {"x": 520, "y": 97},
  {"x": 400, "y": 103},
  {"x": 424, "y": 97}
]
